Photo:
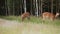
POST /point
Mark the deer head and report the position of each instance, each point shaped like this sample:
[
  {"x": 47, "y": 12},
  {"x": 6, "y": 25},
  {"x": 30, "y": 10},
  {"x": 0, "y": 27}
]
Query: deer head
[{"x": 57, "y": 14}]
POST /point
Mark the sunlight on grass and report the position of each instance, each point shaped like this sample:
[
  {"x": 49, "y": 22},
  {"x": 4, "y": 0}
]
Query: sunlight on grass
[
  {"x": 31, "y": 29},
  {"x": 6, "y": 30}
]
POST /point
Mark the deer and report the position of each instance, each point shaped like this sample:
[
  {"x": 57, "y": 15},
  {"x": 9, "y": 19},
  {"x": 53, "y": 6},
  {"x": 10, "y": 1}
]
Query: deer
[
  {"x": 25, "y": 15},
  {"x": 48, "y": 15}
]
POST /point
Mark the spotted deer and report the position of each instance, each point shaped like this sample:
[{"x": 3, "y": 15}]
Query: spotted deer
[
  {"x": 48, "y": 15},
  {"x": 25, "y": 15}
]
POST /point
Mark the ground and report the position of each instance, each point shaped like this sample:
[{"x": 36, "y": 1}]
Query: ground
[{"x": 14, "y": 27}]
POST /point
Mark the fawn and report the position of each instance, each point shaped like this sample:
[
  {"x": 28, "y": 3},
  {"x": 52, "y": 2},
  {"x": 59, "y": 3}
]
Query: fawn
[{"x": 25, "y": 15}]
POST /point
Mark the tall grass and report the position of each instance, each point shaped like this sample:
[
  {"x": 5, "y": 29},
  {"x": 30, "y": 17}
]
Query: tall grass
[{"x": 33, "y": 19}]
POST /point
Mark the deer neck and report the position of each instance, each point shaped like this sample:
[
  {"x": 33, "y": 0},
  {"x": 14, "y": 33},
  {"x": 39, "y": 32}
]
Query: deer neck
[{"x": 56, "y": 16}]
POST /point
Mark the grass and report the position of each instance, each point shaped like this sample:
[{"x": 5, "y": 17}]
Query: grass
[
  {"x": 32, "y": 20},
  {"x": 11, "y": 30},
  {"x": 8, "y": 17},
  {"x": 31, "y": 29},
  {"x": 32, "y": 26}
]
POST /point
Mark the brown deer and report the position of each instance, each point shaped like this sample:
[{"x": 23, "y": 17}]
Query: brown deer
[
  {"x": 51, "y": 16},
  {"x": 25, "y": 15}
]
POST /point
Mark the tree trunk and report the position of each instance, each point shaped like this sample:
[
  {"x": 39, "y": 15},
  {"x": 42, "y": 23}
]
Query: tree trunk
[
  {"x": 6, "y": 6},
  {"x": 37, "y": 7},
  {"x": 13, "y": 8},
  {"x": 41, "y": 7},
  {"x": 51, "y": 6},
  {"x": 25, "y": 6}
]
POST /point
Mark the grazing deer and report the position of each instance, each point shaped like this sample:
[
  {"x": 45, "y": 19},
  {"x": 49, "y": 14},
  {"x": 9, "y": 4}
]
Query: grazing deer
[
  {"x": 25, "y": 15},
  {"x": 51, "y": 16}
]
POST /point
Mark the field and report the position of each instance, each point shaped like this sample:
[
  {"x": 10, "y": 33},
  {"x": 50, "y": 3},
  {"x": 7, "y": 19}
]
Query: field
[{"x": 13, "y": 25}]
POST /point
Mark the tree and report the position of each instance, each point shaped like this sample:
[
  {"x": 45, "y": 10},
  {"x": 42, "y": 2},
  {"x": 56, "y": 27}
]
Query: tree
[
  {"x": 37, "y": 7},
  {"x": 25, "y": 5}
]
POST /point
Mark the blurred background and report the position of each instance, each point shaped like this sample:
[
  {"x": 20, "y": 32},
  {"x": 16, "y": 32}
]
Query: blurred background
[{"x": 35, "y": 7}]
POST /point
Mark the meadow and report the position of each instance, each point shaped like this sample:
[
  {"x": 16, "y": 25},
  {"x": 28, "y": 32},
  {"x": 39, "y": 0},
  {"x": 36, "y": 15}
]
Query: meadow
[
  {"x": 32, "y": 26},
  {"x": 33, "y": 19}
]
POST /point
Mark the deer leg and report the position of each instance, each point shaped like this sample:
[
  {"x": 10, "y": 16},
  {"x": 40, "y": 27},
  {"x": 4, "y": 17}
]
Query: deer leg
[
  {"x": 43, "y": 19},
  {"x": 23, "y": 18},
  {"x": 28, "y": 17}
]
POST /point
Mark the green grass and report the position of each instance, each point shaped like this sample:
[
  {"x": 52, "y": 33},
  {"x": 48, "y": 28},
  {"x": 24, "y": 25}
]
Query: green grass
[
  {"x": 8, "y": 17},
  {"x": 33, "y": 19}
]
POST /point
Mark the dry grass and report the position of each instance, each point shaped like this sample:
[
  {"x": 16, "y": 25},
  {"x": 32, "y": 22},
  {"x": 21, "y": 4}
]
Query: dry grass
[{"x": 34, "y": 26}]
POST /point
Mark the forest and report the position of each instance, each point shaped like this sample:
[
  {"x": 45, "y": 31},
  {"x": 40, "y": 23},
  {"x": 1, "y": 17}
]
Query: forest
[{"x": 17, "y": 7}]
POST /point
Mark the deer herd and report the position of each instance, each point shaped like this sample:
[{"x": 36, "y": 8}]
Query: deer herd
[{"x": 45, "y": 15}]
